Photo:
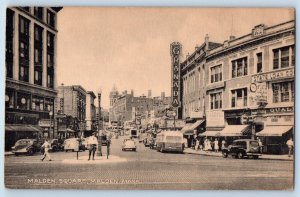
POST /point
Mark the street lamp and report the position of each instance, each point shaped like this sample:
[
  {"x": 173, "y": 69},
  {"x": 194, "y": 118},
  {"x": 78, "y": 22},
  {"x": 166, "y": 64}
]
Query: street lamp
[
  {"x": 99, "y": 152},
  {"x": 50, "y": 114}
]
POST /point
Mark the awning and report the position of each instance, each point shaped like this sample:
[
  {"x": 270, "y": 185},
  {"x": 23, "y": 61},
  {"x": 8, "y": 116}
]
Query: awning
[
  {"x": 189, "y": 128},
  {"x": 274, "y": 130},
  {"x": 209, "y": 133},
  {"x": 235, "y": 130},
  {"x": 26, "y": 128},
  {"x": 68, "y": 130}
]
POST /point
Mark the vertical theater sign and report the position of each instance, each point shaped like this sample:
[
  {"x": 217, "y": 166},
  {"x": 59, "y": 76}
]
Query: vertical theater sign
[{"x": 175, "y": 50}]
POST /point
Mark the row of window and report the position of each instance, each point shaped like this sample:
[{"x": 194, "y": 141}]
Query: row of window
[
  {"x": 282, "y": 92},
  {"x": 38, "y": 12},
  {"x": 25, "y": 101},
  {"x": 24, "y": 50},
  {"x": 282, "y": 58}
]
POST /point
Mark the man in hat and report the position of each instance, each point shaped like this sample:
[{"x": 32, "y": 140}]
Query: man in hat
[{"x": 92, "y": 144}]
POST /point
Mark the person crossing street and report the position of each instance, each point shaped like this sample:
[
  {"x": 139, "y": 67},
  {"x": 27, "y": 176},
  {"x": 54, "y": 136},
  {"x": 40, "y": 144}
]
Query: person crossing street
[{"x": 46, "y": 147}]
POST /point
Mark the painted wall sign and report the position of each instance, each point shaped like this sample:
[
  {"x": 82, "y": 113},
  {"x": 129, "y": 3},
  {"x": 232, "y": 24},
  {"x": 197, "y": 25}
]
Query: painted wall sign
[
  {"x": 288, "y": 73},
  {"x": 175, "y": 51},
  {"x": 258, "y": 93}
]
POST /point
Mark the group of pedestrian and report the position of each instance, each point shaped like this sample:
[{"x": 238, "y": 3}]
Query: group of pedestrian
[{"x": 210, "y": 144}]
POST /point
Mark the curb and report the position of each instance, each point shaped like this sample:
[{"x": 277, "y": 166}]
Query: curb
[{"x": 261, "y": 158}]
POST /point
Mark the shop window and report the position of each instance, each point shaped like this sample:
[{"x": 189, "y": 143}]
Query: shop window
[
  {"x": 239, "y": 97},
  {"x": 283, "y": 92},
  {"x": 39, "y": 12},
  {"x": 37, "y": 103},
  {"x": 9, "y": 99},
  {"x": 216, "y": 73},
  {"x": 283, "y": 57},
  {"x": 239, "y": 67},
  {"x": 216, "y": 100},
  {"x": 23, "y": 101},
  {"x": 259, "y": 62}
]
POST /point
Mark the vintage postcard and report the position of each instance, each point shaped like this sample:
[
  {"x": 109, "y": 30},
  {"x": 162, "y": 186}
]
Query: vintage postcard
[{"x": 149, "y": 98}]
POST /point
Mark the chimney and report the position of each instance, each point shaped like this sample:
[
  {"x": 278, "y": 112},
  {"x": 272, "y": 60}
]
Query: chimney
[
  {"x": 231, "y": 37},
  {"x": 132, "y": 93},
  {"x": 162, "y": 95},
  {"x": 149, "y": 94},
  {"x": 206, "y": 41}
]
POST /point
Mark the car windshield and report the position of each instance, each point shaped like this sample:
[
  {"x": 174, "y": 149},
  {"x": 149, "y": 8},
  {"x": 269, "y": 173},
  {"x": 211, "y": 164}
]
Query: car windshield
[
  {"x": 254, "y": 144},
  {"x": 173, "y": 139},
  {"x": 23, "y": 142}
]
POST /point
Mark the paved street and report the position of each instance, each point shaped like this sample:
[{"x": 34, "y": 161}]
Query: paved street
[{"x": 147, "y": 169}]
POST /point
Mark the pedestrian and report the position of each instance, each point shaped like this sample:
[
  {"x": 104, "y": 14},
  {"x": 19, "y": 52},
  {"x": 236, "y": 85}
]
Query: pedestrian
[
  {"x": 216, "y": 145},
  {"x": 209, "y": 147},
  {"x": 46, "y": 147},
  {"x": 223, "y": 144},
  {"x": 290, "y": 145},
  {"x": 260, "y": 145},
  {"x": 197, "y": 144},
  {"x": 92, "y": 144}
]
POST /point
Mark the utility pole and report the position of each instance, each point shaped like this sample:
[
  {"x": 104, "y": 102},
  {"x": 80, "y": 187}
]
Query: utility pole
[{"x": 99, "y": 152}]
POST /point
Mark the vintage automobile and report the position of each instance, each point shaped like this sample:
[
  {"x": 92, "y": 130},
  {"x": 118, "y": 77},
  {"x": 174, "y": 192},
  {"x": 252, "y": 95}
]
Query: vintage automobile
[
  {"x": 147, "y": 141},
  {"x": 243, "y": 148},
  {"x": 55, "y": 145},
  {"x": 26, "y": 146},
  {"x": 73, "y": 144},
  {"x": 170, "y": 141},
  {"x": 128, "y": 144}
]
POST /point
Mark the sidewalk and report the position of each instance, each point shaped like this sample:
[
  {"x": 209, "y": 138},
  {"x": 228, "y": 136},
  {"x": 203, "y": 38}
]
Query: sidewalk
[{"x": 219, "y": 154}]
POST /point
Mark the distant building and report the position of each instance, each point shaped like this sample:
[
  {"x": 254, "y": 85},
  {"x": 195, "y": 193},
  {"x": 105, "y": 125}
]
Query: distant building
[
  {"x": 71, "y": 105},
  {"x": 90, "y": 113},
  {"x": 31, "y": 43}
]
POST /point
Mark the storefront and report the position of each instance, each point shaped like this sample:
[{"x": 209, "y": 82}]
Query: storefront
[{"x": 192, "y": 129}]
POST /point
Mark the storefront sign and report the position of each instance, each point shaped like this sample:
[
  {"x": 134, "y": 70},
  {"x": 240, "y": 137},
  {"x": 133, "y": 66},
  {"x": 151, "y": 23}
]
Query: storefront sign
[
  {"x": 289, "y": 73},
  {"x": 258, "y": 93},
  {"x": 215, "y": 118},
  {"x": 45, "y": 123},
  {"x": 175, "y": 50}
]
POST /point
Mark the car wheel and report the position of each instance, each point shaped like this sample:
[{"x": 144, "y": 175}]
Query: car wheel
[
  {"x": 240, "y": 155},
  {"x": 30, "y": 152},
  {"x": 134, "y": 149},
  {"x": 255, "y": 157},
  {"x": 225, "y": 154}
]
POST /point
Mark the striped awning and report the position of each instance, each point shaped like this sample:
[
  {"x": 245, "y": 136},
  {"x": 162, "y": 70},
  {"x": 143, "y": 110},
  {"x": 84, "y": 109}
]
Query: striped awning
[
  {"x": 275, "y": 131},
  {"x": 25, "y": 128},
  {"x": 235, "y": 130}
]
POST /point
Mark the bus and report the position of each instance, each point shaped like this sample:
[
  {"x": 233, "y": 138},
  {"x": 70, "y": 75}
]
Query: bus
[{"x": 170, "y": 141}]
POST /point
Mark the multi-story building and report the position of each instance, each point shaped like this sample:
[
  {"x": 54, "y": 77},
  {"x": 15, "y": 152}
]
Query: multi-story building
[
  {"x": 90, "y": 117},
  {"x": 31, "y": 35},
  {"x": 127, "y": 107},
  {"x": 250, "y": 86},
  {"x": 71, "y": 110}
]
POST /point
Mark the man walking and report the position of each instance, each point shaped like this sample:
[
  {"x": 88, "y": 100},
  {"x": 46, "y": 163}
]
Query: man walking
[
  {"x": 92, "y": 144},
  {"x": 46, "y": 147},
  {"x": 290, "y": 145}
]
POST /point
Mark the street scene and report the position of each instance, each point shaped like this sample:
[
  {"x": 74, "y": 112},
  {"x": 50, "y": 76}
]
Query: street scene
[{"x": 149, "y": 99}]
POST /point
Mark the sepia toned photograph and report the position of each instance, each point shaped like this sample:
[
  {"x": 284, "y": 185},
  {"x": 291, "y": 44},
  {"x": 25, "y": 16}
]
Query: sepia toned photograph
[{"x": 149, "y": 98}]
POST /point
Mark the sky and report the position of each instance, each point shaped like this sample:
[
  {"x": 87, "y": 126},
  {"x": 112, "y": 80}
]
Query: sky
[{"x": 98, "y": 48}]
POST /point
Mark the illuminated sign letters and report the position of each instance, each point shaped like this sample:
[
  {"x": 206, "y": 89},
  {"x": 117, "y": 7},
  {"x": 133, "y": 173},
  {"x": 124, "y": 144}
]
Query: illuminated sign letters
[{"x": 175, "y": 50}]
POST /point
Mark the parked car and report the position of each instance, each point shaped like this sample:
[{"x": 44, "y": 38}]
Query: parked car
[
  {"x": 26, "y": 146},
  {"x": 73, "y": 144},
  {"x": 55, "y": 145},
  {"x": 243, "y": 148},
  {"x": 129, "y": 144},
  {"x": 147, "y": 141}
]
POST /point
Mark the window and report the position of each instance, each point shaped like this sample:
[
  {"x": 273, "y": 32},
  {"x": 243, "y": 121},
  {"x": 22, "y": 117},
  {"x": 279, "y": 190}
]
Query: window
[
  {"x": 283, "y": 92},
  {"x": 23, "y": 26},
  {"x": 239, "y": 97},
  {"x": 27, "y": 9},
  {"x": 216, "y": 73},
  {"x": 239, "y": 67},
  {"x": 259, "y": 62},
  {"x": 23, "y": 101},
  {"x": 216, "y": 100},
  {"x": 38, "y": 55},
  {"x": 284, "y": 57},
  {"x": 38, "y": 12},
  {"x": 23, "y": 49},
  {"x": 9, "y": 43},
  {"x": 9, "y": 98},
  {"x": 38, "y": 77},
  {"x": 37, "y": 103},
  {"x": 50, "y": 18}
]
